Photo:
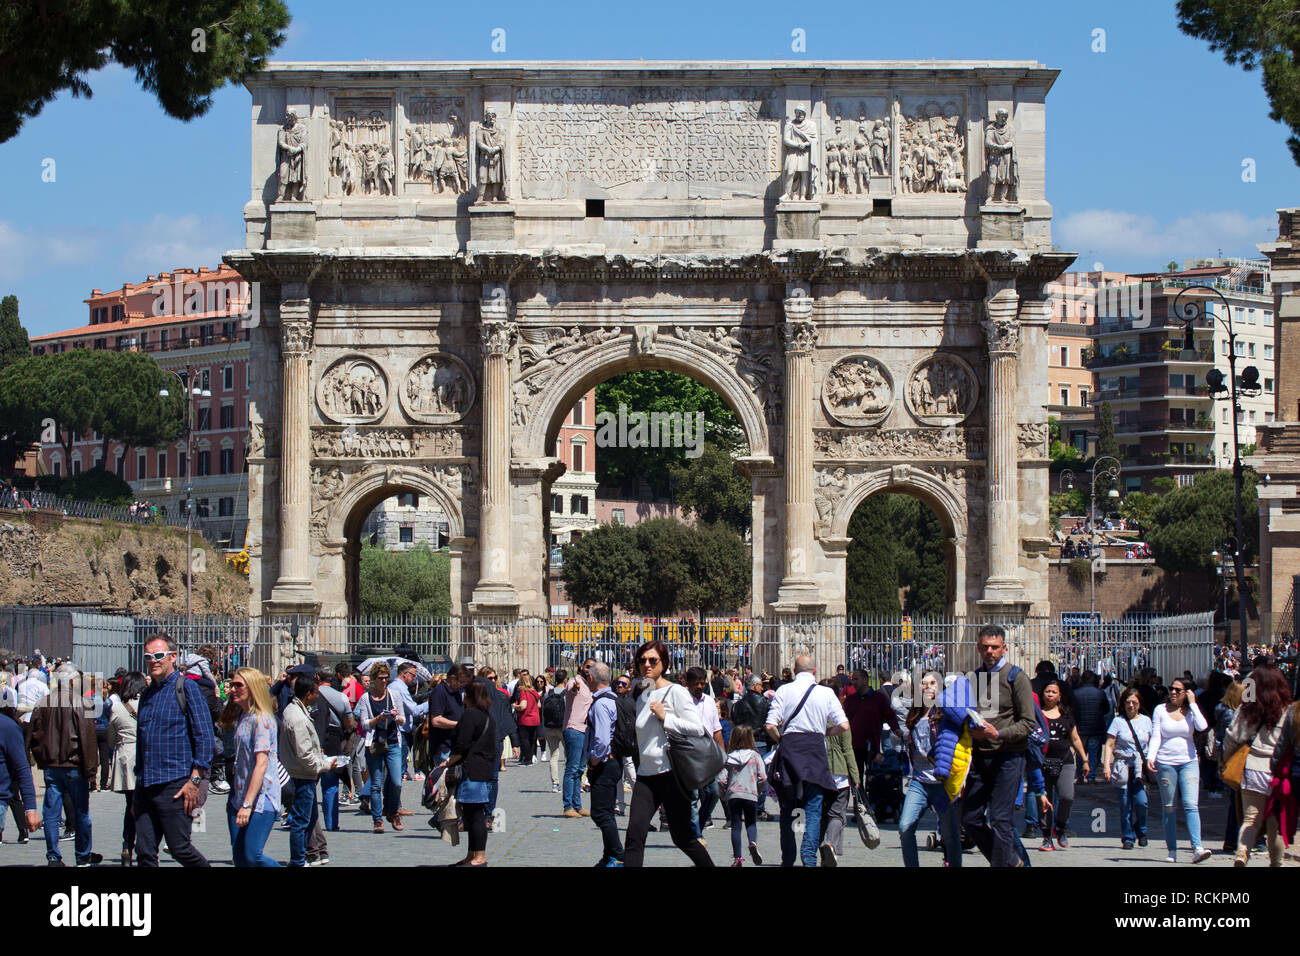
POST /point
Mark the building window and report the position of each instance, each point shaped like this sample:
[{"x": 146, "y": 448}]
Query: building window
[
  {"x": 162, "y": 340},
  {"x": 1250, "y": 347},
  {"x": 226, "y": 507},
  {"x": 578, "y": 412},
  {"x": 228, "y": 378},
  {"x": 205, "y": 380},
  {"x": 578, "y": 504},
  {"x": 1225, "y": 449},
  {"x": 201, "y": 508},
  {"x": 1268, "y": 385},
  {"x": 618, "y": 516},
  {"x": 578, "y": 455},
  {"x": 76, "y": 466},
  {"x": 1268, "y": 416},
  {"x": 1268, "y": 352},
  {"x": 1065, "y": 396},
  {"x": 141, "y": 467},
  {"x": 204, "y": 419},
  {"x": 227, "y": 461},
  {"x": 101, "y": 343},
  {"x": 1065, "y": 355},
  {"x": 406, "y": 533},
  {"x": 1268, "y": 318},
  {"x": 227, "y": 416},
  {"x": 557, "y": 504},
  {"x": 1240, "y": 347},
  {"x": 1083, "y": 395},
  {"x": 162, "y": 464},
  {"x": 1225, "y": 416},
  {"x": 1225, "y": 346},
  {"x": 408, "y": 501},
  {"x": 182, "y": 464},
  {"x": 248, "y": 371},
  {"x": 204, "y": 464},
  {"x": 120, "y": 466}
]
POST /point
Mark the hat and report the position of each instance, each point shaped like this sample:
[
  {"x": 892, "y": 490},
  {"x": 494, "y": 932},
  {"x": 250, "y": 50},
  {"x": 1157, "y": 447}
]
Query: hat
[{"x": 301, "y": 670}]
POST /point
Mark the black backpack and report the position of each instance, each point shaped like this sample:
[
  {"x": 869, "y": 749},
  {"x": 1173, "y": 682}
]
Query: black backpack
[
  {"x": 553, "y": 710},
  {"x": 623, "y": 743}
]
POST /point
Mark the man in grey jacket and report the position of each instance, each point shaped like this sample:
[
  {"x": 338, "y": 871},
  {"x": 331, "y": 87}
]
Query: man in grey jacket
[{"x": 303, "y": 759}]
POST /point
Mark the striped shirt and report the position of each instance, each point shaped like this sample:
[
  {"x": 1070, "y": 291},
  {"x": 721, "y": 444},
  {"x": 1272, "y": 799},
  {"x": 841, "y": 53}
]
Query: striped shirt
[{"x": 168, "y": 743}]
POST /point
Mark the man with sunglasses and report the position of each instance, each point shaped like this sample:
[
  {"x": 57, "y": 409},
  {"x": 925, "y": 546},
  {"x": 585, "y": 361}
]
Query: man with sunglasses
[
  {"x": 623, "y": 687},
  {"x": 172, "y": 756}
]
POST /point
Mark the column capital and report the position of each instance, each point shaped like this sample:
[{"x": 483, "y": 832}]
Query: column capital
[
  {"x": 498, "y": 335},
  {"x": 1003, "y": 335},
  {"x": 296, "y": 330},
  {"x": 799, "y": 335}
]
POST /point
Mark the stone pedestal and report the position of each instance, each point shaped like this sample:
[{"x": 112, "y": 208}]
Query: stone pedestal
[
  {"x": 798, "y": 224},
  {"x": 491, "y": 226},
  {"x": 1001, "y": 224},
  {"x": 293, "y": 224}
]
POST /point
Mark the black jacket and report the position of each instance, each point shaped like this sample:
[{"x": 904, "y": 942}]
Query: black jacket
[
  {"x": 751, "y": 711},
  {"x": 480, "y": 758},
  {"x": 503, "y": 715}
]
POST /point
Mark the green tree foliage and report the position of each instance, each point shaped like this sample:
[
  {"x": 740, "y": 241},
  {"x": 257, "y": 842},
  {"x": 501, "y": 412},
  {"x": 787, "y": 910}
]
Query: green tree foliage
[
  {"x": 415, "y": 583},
  {"x": 1188, "y": 522},
  {"x": 712, "y": 488},
  {"x": 13, "y": 337},
  {"x": 129, "y": 408},
  {"x": 897, "y": 543},
  {"x": 1254, "y": 34},
  {"x": 1106, "y": 443},
  {"x": 604, "y": 568},
  {"x": 1139, "y": 506},
  {"x": 1062, "y": 455},
  {"x": 48, "y": 47},
  {"x": 657, "y": 390},
  {"x": 1072, "y": 501}
]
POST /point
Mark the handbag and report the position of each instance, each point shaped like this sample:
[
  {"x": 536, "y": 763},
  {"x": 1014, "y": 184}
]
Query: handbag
[
  {"x": 868, "y": 831},
  {"x": 455, "y": 773},
  {"x": 694, "y": 761},
  {"x": 1121, "y": 779},
  {"x": 1235, "y": 766},
  {"x": 378, "y": 746}
]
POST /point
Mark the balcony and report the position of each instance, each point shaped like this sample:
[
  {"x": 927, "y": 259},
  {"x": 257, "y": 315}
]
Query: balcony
[
  {"x": 1160, "y": 460},
  {"x": 1160, "y": 427},
  {"x": 1150, "y": 392},
  {"x": 1162, "y": 357}
]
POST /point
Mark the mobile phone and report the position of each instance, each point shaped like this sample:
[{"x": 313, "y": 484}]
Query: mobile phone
[{"x": 974, "y": 716}]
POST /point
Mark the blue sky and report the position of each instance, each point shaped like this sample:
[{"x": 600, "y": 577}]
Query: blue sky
[{"x": 1145, "y": 141}]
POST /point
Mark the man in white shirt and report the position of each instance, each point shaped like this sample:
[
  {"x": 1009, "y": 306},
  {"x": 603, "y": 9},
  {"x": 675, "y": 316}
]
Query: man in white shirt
[
  {"x": 31, "y": 690},
  {"x": 801, "y": 717},
  {"x": 706, "y": 798}
]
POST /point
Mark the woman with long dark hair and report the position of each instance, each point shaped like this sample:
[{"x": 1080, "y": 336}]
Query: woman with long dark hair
[
  {"x": 921, "y": 730},
  {"x": 1258, "y": 725},
  {"x": 474, "y": 743},
  {"x": 1058, "y": 765},
  {"x": 121, "y": 738}
]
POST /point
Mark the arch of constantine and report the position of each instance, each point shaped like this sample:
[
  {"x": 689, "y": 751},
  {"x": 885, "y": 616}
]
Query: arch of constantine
[{"x": 852, "y": 255}]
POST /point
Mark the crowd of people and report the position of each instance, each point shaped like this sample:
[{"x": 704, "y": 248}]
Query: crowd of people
[{"x": 814, "y": 755}]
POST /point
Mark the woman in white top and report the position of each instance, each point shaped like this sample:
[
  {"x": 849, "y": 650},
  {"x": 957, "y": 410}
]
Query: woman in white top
[
  {"x": 1172, "y": 758},
  {"x": 1258, "y": 726},
  {"x": 662, "y": 707},
  {"x": 121, "y": 737},
  {"x": 1121, "y": 765}
]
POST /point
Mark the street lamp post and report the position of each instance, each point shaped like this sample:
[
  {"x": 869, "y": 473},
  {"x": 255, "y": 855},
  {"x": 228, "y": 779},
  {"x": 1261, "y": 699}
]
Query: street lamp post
[
  {"x": 1217, "y": 556},
  {"x": 190, "y": 392},
  {"x": 1249, "y": 386},
  {"x": 1109, "y": 473}
]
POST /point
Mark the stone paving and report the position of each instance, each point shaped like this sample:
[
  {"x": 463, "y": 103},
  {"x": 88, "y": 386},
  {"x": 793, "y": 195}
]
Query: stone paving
[{"x": 533, "y": 832}]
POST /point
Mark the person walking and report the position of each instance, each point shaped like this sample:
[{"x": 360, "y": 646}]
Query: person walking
[
  {"x": 253, "y": 804},
  {"x": 527, "y": 704},
  {"x": 868, "y": 711},
  {"x": 64, "y": 747},
  {"x": 623, "y": 688},
  {"x": 121, "y": 738},
  {"x": 924, "y": 725},
  {"x": 662, "y": 707},
  {"x": 476, "y": 745},
  {"x": 577, "y": 701},
  {"x": 1058, "y": 764},
  {"x": 553, "y": 727},
  {"x": 173, "y": 753},
  {"x": 706, "y": 798},
  {"x": 742, "y": 778},
  {"x": 304, "y": 761},
  {"x": 1172, "y": 758},
  {"x": 1092, "y": 716},
  {"x": 17, "y": 790},
  {"x": 336, "y": 730},
  {"x": 604, "y": 769},
  {"x": 835, "y": 807},
  {"x": 379, "y": 718},
  {"x": 1000, "y": 740},
  {"x": 1224, "y": 713},
  {"x": 1123, "y": 765},
  {"x": 1259, "y": 726},
  {"x": 802, "y": 715}
]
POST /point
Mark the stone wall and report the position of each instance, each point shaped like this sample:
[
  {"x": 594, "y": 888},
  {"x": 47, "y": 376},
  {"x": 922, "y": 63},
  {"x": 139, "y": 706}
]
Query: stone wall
[{"x": 1132, "y": 586}]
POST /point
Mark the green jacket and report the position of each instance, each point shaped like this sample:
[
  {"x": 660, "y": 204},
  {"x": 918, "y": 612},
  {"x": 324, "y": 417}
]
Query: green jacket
[{"x": 839, "y": 753}]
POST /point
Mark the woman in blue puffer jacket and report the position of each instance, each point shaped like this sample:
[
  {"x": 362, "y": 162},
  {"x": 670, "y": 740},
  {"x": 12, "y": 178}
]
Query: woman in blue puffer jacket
[{"x": 940, "y": 755}]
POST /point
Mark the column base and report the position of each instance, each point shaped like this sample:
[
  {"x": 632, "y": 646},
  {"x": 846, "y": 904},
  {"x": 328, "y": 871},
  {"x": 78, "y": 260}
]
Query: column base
[
  {"x": 1004, "y": 598},
  {"x": 799, "y": 597},
  {"x": 293, "y": 597},
  {"x": 494, "y": 599}
]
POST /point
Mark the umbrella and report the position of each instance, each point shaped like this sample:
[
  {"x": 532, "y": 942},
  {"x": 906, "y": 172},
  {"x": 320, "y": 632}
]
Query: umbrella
[{"x": 421, "y": 672}]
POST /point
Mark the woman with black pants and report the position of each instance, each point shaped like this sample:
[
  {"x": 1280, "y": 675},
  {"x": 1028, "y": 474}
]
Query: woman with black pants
[
  {"x": 474, "y": 743},
  {"x": 661, "y": 707}
]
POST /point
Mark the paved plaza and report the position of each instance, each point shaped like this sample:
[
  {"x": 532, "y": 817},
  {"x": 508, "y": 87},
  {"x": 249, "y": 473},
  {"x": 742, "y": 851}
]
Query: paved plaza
[{"x": 532, "y": 832}]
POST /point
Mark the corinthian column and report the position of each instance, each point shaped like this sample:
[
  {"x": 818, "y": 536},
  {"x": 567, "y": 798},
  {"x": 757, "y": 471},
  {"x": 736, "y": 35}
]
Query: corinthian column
[
  {"x": 1003, "y": 331},
  {"x": 798, "y": 586},
  {"x": 293, "y": 589},
  {"x": 495, "y": 587}
]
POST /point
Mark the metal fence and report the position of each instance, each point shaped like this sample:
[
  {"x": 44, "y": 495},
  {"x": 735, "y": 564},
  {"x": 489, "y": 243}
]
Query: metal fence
[
  {"x": 881, "y": 645},
  {"x": 220, "y": 532}
]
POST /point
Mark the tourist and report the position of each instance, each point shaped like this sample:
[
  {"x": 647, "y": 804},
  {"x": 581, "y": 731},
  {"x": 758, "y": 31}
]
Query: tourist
[
  {"x": 1058, "y": 765},
  {"x": 1259, "y": 727},
  {"x": 998, "y": 767},
  {"x": 121, "y": 738},
  {"x": 336, "y": 731},
  {"x": 553, "y": 726},
  {"x": 304, "y": 761},
  {"x": 1172, "y": 758},
  {"x": 527, "y": 705},
  {"x": 623, "y": 688},
  {"x": 1123, "y": 766},
  {"x": 835, "y": 806},
  {"x": 742, "y": 778},
  {"x": 577, "y": 700},
  {"x": 706, "y": 798},
  {"x": 17, "y": 790},
  {"x": 401, "y": 687},
  {"x": 446, "y": 704},
  {"x": 103, "y": 714},
  {"x": 379, "y": 718},
  {"x": 1092, "y": 714},
  {"x": 475, "y": 743},
  {"x": 662, "y": 707},
  {"x": 1224, "y": 713},
  {"x": 504, "y": 726},
  {"x": 173, "y": 753},
  {"x": 604, "y": 769},
  {"x": 868, "y": 711},
  {"x": 933, "y": 737},
  {"x": 253, "y": 805},
  {"x": 800, "y": 719}
]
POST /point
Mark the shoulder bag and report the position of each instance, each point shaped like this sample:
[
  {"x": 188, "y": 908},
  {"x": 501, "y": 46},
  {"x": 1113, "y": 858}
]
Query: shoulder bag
[
  {"x": 1235, "y": 767},
  {"x": 378, "y": 746},
  {"x": 1119, "y": 771},
  {"x": 695, "y": 761}
]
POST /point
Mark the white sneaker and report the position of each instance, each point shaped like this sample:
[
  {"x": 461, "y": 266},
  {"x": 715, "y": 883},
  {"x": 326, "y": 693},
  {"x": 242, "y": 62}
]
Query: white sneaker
[
  {"x": 219, "y": 786},
  {"x": 1171, "y": 859},
  {"x": 1200, "y": 854}
]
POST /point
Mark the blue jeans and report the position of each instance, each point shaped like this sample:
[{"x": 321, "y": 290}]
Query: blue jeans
[
  {"x": 1092, "y": 747},
  {"x": 811, "y": 807},
  {"x": 302, "y": 820},
  {"x": 329, "y": 800},
  {"x": 385, "y": 781},
  {"x": 1133, "y": 809},
  {"x": 66, "y": 783},
  {"x": 248, "y": 842},
  {"x": 495, "y": 786},
  {"x": 920, "y": 796},
  {"x": 574, "y": 742},
  {"x": 406, "y": 753},
  {"x": 1184, "y": 780}
]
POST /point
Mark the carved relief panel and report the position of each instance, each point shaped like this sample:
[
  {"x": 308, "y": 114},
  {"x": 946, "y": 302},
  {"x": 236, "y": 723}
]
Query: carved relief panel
[
  {"x": 941, "y": 390},
  {"x": 859, "y": 146},
  {"x": 858, "y": 390},
  {"x": 362, "y": 161},
  {"x": 353, "y": 391},
  {"x": 438, "y": 388},
  {"x": 436, "y": 147},
  {"x": 931, "y": 146}
]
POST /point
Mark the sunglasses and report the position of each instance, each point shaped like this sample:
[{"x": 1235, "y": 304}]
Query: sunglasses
[
  {"x": 649, "y": 660},
  {"x": 622, "y": 683},
  {"x": 156, "y": 656},
  {"x": 237, "y": 683}
]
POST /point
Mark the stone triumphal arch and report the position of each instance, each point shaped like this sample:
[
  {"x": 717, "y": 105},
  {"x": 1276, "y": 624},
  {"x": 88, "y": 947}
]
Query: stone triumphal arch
[{"x": 852, "y": 255}]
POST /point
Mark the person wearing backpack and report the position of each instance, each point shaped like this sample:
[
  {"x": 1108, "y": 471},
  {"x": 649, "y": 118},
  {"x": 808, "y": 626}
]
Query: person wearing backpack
[
  {"x": 553, "y": 726},
  {"x": 604, "y": 766}
]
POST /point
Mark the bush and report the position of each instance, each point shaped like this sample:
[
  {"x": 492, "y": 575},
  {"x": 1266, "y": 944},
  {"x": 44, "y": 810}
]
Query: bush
[
  {"x": 1078, "y": 571},
  {"x": 97, "y": 485}
]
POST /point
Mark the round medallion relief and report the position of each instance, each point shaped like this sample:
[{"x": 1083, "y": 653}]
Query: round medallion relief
[
  {"x": 941, "y": 390},
  {"x": 438, "y": 388},
  {"x": 858, "y": 390},
  {"x": 353, "y": 391}
]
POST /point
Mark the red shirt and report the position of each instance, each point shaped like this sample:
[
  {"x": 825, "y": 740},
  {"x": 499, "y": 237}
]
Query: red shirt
[
  {"x": 866, "y": 713},
  {"x": 530, "y": 716}
]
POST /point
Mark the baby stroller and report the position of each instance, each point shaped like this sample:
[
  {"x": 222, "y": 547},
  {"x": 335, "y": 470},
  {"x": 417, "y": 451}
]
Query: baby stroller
[{"x": 885, "y": 786}]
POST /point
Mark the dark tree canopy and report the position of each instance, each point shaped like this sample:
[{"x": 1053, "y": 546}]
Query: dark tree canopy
[
  {"x": 1253, "y": 33},
  {"x": 1188, "y": 522},
  {"x": 413, "y": 583},
  {"x": 47, "y": 47},
  {"x": 713, "y": 489},
  {"x": 604, "y": 568},
  {"x": 898, "y": 544},
  {"x": 13, "y": 337}
]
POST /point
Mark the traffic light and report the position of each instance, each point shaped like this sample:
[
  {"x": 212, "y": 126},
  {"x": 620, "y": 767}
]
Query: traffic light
[{"x": 1214, "y": 380}]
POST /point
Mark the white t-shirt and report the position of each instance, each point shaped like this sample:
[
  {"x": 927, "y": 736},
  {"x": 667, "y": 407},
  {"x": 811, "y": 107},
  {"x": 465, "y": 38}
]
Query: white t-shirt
[
  {"x": 1124, "y": 749},
  {"x": 1171, "y": 740},
  {"x": 708, "y": 708},
  {"x": 680, "y": 716}
]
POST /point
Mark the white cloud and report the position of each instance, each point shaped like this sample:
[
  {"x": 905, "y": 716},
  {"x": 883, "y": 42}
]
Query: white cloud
[
  {"x": 1127, "y": 240},
  {"x": 165, "y": 243}
]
